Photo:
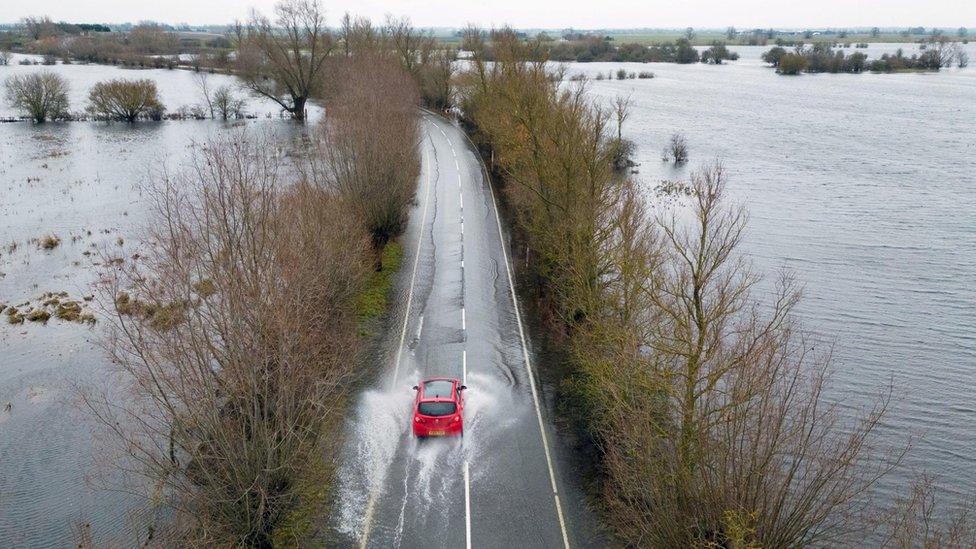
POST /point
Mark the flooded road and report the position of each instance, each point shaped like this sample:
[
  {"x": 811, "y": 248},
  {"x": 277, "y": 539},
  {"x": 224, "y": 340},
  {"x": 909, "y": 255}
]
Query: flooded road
[
  {"x": 494, "y": 487},
  {"x": 862, "y": 185}
]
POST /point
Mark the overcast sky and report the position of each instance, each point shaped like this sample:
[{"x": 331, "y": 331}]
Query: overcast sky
[{"x": 534, "y": 13}]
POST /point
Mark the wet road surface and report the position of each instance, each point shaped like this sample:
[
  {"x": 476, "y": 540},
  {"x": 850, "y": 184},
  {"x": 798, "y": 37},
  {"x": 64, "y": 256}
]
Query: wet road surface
[{"x": 503, "y": 483}]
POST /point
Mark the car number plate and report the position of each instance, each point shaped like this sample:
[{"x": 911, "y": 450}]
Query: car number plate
[{"x": 436, "y": 433}]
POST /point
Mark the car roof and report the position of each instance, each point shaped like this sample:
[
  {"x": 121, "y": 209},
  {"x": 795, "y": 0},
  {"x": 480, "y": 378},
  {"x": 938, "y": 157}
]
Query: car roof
[{"x": 444, "y": 388}]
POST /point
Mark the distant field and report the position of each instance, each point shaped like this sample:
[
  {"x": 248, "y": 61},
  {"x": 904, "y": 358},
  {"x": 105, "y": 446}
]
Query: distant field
[{"x": 706, "y": 37}]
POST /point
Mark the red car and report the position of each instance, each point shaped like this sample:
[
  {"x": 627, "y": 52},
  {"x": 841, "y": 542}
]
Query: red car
[{"x": 438, "y": 407}]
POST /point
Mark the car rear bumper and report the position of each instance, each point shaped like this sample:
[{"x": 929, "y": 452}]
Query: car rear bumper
[{"x": 450, "y": 430}]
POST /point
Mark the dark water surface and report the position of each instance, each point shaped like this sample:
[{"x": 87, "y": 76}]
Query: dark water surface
[
  {"x": 865, "y": 187},
  {"x": 84, "y": 183}
]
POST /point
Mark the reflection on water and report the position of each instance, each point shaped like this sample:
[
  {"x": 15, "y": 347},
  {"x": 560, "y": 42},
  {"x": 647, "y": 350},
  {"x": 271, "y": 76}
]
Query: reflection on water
[
  {"x": 177, "y": 87},
  {"x": 864, "y": 186},
  {"x": 82, "y": 182}
]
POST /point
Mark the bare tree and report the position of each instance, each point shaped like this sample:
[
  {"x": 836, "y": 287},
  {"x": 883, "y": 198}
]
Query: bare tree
[
  {"x": 284, "y": 60},
  {"x": 41, "y": 96},
  {"x": 235, "y": 334},
  {"x": 40, "y": 27},
  {"x": 126, "y": 100},
  {"x": 226, "y": 103},
  {"x": 962, "y": 58},
  {"x": 369, "y": 145},
  {"x": 202, "y": 80},
  {"x": 358, "y": 35},
  {"x": 5, "y": 57},
  {"x": 621, "y": 110},
  {"x": 726, "y": 437},
  {"x": 921, "y": 521},
  {"x": 677, "y": 149},
  {"x": 407, "y": 41}
]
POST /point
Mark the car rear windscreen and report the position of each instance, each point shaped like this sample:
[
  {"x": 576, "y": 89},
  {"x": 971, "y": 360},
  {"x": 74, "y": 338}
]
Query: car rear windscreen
[
  {"x": 436, "y": 408},
  {"x": 438, "y": 388}
]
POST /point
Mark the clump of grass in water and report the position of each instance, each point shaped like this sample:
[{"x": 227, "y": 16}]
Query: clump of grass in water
[
  {"x": 68, "y": 310},
  {"x": 50, "y": 242},
  {"x": 160, "y": 317},
  {"x": 38, "y": 315},
  {"x": 14, "y": 317},
  {"x": 372, "y": 303}
]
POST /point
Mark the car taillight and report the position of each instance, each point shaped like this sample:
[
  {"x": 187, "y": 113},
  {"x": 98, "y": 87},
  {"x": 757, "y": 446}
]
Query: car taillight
[
  {"x": 418, "y": 419},
  {"x": 457, "y": 418}
]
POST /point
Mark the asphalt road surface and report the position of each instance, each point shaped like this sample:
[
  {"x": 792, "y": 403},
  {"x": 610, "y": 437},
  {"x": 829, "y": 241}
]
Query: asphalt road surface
[{"x": 506, "y": 482}]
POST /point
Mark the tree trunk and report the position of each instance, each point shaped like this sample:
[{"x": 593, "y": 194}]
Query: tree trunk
[{"x": 298, "y": 112}]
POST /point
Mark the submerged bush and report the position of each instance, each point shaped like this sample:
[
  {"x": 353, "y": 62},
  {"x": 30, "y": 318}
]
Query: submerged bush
[
  {"x": 792, "y": 63},
  {"x": 718, "y": 53},
  {"x": 125, "y": 100},
  {"x": 677, "y": 149},
  {"x": 821, "y": 57},
  {"x": 40, "y": 96}
]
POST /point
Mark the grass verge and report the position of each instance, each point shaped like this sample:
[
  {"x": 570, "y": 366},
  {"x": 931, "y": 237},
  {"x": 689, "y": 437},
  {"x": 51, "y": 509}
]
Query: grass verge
[
  {"x": 308, "y": 520},
  {"x": 373, "y": 302}
]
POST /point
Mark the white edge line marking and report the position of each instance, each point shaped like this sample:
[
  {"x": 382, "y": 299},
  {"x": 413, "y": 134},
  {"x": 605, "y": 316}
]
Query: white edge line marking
[
  {"x": 403, "y": 334},
  {"x": 467, "y": 507},
  {"x": 528, "y": 369}
]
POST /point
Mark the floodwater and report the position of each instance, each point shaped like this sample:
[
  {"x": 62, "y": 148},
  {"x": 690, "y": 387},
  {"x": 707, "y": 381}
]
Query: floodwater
[
  {"x": 864, "y": 186},
  {"x": 177, "y": 88},
  {"x": 80, "y": 181}
]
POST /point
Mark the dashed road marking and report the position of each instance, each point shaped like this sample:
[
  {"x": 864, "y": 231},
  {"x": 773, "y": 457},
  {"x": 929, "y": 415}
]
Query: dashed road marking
[{"x": 467, "y": 507}]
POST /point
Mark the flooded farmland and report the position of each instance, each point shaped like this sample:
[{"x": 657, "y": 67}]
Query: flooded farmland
[
  {"x": 862, "y": 185},
  {"x": 82, "y": 183}
]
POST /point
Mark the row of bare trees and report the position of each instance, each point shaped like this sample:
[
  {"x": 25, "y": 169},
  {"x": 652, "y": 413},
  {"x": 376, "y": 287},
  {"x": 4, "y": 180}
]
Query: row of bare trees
[
  {"x": 236, "y": 331},
  {"x": 367, "y": 148},
  {"x": 43, "y": 96},
  {"x": 235, "y": 337},
  {"x": 704, "y": 401},
  {"x": 291, "y": 58}
]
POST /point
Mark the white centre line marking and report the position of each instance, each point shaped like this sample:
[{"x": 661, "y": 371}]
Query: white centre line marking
[
  {"x": 467, "y": 507},
  {"x": 371, "y": 505},
  {"x": 462, "y": 319},
  {"x": 464, "y": 367}
]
